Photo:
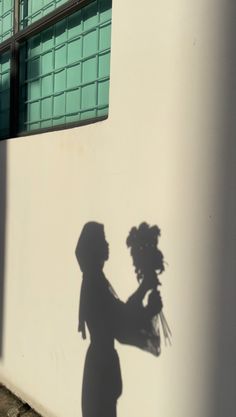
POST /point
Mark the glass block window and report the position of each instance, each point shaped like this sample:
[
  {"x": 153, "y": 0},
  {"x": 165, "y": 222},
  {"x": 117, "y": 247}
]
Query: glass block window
[
  {"x": 4, "y": 94},
  {"x": 64, "y": 70},
  {"x": 32, "y": 10},
  {"x": 54, "y": 67},
  {"x": 6, "y": 19}
]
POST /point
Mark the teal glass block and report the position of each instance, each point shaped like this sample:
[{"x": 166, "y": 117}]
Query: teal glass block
[
  {"x": 60, "y": 2},
  {"x": 6, "y": 19},
  {"x": 32, "y": 10},
  {"x": 103, "y": 92},
  {"x": 6, "y": 22},
  {"x": 34, "y": 68},
  {"x": 90, "y": 114},
  {"x": 48, "y": 9},
  {"x": 33, "y": 126},
  {"x": 5, "y": 62},
  {"x": 60, "y": 32},
  {"x": 46, "y": 124},
  {"x": 74, "y": 50},
  {"x": 90, "y": 70},
  {"x": 47, "y": 85},
  {"x": 6, "y": 80},
  {"x": 75, "y": 24},
  {"x": 74, "y": 76},
  {"x": 47, "y": 39},
  {"x": 47, "y": 62},
  {"x": 73, "y": 101},
  {"x": 89, "y": 95},
  {"x": 34, "y": 111},
  {"x": 72, "y": 118},
  {"x": 35, "y": 6},
  {"x": 60, "y": 81},
  {"x": 102, "y": 112},
  {"x": 90, "y": 15},
  {"x": 34, "y": 90},
  {"x": 34, "y": 46},
  {"x": 35, "y": 17},
  {"x": 60, "y": 57},
  {"x": 91, "y": 43},
  {"x": 46, "y": 105},
  {"x": 105, "y": 36},
  {"x": 4, "y": 95},
  {"x": 105, "y": 10},
  {"x": 59, "y": 105},
  {"x": 104, "y": 65},
  {"x": 6, "y": 5},
  {"x": 58, "y": 121},
  {"x": 65, "y": 70}
]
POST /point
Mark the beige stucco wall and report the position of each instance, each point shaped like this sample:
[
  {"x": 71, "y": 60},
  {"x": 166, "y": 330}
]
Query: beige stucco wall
[{"x": 163, "y": 156}]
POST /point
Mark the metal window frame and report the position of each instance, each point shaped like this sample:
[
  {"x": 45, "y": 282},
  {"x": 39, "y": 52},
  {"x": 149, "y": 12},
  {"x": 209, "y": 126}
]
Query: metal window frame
[{"x": 12, "y": 44}]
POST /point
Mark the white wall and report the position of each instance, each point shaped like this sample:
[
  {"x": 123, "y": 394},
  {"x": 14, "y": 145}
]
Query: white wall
[{"x": 163, "y": 156}]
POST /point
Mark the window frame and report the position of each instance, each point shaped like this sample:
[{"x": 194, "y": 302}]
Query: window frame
[{"x": 13, "y": 43}]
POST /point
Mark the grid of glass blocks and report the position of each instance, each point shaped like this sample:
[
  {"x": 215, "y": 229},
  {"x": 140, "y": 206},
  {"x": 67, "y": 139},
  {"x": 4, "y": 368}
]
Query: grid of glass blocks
[
  {"x": 32, "y": 10},
  {"x": 6, "y": 19},
  {"x": 65, "y": 70},
  {"x": 4, "y": 94}
]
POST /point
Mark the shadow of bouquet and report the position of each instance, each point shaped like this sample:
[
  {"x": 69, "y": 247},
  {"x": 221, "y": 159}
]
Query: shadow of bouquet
[{"x": 148, "y": 261}]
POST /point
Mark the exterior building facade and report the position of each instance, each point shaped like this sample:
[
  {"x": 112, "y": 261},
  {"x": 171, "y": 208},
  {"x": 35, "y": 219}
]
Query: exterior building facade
[{"x": 160, "y": 150}]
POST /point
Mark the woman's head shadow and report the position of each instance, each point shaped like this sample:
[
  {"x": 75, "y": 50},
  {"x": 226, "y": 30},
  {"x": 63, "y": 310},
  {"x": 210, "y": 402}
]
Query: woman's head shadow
[{"x": 92, "y": 249}]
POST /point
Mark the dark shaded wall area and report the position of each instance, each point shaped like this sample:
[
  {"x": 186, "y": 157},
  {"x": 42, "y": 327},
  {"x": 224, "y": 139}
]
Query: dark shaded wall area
[{"x": 3, "y": 174}]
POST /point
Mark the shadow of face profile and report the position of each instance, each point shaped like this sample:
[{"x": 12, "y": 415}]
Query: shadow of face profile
[{"x": 92, "y": 249}]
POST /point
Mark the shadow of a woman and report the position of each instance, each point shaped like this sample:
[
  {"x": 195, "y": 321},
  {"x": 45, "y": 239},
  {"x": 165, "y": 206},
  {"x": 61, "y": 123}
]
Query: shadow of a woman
[{"x": 107, "y": 318}]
